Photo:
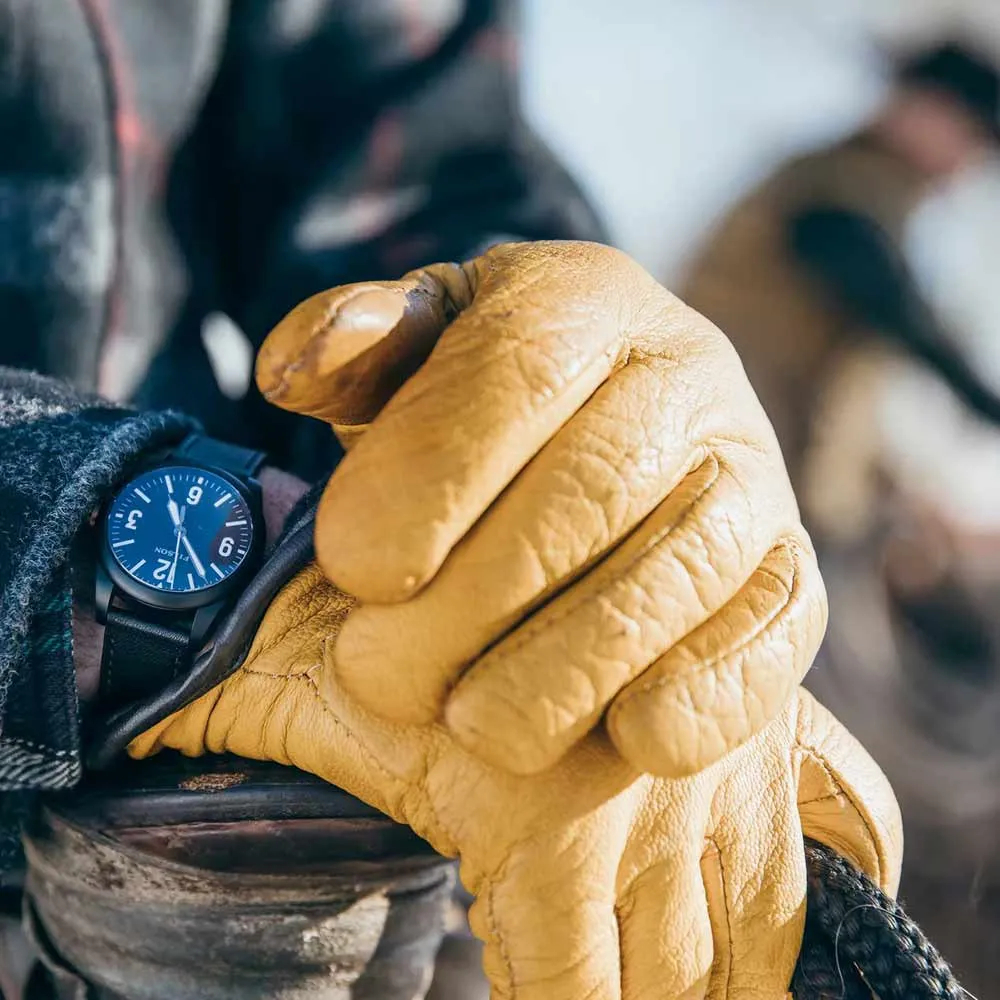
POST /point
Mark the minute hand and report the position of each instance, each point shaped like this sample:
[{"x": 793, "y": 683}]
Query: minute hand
[{"x": 194, "y": 556}]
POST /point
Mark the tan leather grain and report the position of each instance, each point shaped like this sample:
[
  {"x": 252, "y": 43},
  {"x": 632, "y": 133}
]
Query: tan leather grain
[
  {"x": 591, "y": 879},
  {"x": 570, "y": 478},
  {"x": 584, "y": 605}
]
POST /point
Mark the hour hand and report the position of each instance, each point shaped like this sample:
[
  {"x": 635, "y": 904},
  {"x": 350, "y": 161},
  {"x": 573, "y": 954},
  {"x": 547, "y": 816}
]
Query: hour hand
[{"x": 175, "y": 514}]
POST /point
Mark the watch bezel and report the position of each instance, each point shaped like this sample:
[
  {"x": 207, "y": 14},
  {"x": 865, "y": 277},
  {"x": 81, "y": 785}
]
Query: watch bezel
[{"x": 160, "y": 600}]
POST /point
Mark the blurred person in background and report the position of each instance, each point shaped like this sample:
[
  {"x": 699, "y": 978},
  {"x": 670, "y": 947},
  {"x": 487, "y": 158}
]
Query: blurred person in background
[{"x": 879, "y": 413}]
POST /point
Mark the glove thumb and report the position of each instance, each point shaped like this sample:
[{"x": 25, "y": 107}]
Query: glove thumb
[{"x": 342, "y": 354}]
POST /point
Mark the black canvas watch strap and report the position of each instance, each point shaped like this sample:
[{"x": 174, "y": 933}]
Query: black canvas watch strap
[
  {"x": 201, "y": 450},
  {"x": 146, "y": 649},
  {"x": 140, "y": 656}
]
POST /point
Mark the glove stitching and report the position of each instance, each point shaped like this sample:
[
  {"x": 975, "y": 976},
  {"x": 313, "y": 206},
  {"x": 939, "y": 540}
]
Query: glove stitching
[
  {"x": 368, "y": 755},
  {"x": 533, "y": 629},
  {"x": 489, "y": 882},
  {"x": 843, "y": 792},
  {"x": 627, "y": 895},
  {"x": 725, "y": 906},
  {"x": 649, "y": 685},
  {"x": 491, "y": 920},
  {"x": 339, "y": 723}
]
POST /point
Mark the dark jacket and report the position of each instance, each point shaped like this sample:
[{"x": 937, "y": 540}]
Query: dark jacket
[{"x": 161, "y": 162}]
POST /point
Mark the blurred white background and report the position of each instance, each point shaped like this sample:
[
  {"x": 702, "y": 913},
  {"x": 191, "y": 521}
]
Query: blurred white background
[{"x": 668, "y": 109}]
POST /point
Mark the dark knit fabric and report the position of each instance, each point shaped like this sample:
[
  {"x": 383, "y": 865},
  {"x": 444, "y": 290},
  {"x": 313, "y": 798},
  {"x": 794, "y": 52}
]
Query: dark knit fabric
[
  {"x": 61, "y": 453},
  {"x": 859, "y": 943}
]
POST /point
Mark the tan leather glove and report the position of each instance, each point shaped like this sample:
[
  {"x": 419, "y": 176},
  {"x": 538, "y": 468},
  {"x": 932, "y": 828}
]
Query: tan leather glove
[
  {"x": 590, "y": 879},
  {"x": 653, "y": 530},
  {"x": 572, "y": 481}
]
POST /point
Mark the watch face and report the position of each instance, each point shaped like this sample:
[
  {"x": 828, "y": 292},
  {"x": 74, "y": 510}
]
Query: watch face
[{"x": 180, "y": 529}]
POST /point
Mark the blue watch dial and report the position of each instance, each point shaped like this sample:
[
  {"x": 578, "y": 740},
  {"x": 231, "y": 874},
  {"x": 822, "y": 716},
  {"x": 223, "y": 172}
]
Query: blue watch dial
[{"x": 179, "y": 529}]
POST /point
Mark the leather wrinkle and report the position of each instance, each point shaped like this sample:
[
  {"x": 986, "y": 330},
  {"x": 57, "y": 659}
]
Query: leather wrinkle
[
  {"x": 760, "y": 627},
  {"x": 723, "y": 881},
  {"x": 314, "y": 342},
  {"x": 525, "y": 633},
  {"x": 371, "y": 759}
]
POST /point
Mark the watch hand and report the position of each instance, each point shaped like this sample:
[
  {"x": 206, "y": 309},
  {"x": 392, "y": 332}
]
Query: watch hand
[
  {"x": 174, "y": 512},
  {"x": 173, "y": 565},
  {"x": 194, "y": 556}
]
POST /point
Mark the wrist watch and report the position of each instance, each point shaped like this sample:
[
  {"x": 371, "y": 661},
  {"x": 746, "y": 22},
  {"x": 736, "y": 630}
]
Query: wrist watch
[{"x": 178, "y": 542}]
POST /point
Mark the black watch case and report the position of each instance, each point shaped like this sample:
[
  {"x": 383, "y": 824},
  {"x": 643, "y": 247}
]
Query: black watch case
[{"x": 114, "y": 583}]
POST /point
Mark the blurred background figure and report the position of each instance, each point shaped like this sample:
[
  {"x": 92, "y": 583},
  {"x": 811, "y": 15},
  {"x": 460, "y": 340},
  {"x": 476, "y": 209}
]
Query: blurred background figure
[
  {"x": 823, "y": 184},
  {"x": 811, "y": 266}
]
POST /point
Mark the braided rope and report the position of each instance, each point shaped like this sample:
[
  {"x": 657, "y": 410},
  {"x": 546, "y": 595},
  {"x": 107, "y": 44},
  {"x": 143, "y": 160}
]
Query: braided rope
[{"x": 858, "y": 942}]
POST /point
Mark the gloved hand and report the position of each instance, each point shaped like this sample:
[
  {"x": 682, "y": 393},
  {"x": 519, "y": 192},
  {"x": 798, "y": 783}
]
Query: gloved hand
[
  {"x": 590, "y": 879},
  {"x": 658, "y": 524},
  {"x": 574, "y": 477}
]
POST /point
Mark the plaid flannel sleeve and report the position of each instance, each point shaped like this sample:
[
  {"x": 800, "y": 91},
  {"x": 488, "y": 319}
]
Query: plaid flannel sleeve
[{"x": 61, "y": 454}]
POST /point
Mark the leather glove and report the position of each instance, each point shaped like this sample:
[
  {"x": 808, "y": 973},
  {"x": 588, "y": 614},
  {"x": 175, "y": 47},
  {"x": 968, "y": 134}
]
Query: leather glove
[
  {"x": 568, "y": 474},
  {"x": 661, "y": 478},
  {"x": 591, "y": 880}
]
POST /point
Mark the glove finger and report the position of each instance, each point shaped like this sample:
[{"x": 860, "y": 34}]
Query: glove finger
[
  {"x": 845, "y": 801},
  {"x": 667, "y": 946},
  {"x": 756, "y": 877},
  {"x": 534, "y": 694},
  {"x": 729, "y": 678},
  {"x": 590, "y": 486},
  {"x": 547, "y": 325}
]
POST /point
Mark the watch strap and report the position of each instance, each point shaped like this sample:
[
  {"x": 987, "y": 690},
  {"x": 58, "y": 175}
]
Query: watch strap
[
  {"x": 140, "y": 656},
  {"x": 201, "y": 450},
  {"x": 144, "y": 650}
]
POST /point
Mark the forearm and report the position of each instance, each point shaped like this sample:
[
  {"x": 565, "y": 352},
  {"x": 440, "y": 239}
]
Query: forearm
[{"x": 280, "y": 493}]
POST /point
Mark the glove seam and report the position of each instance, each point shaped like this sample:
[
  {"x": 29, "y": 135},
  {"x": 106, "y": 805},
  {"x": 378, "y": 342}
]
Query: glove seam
[
  {"x": 627, "y": 896},
  {"x": 307, "y": 676},
  {"x": 725, "y": 906},
  {"x": 488, "y": 883},
  {"x": 495, "y": 931}
]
